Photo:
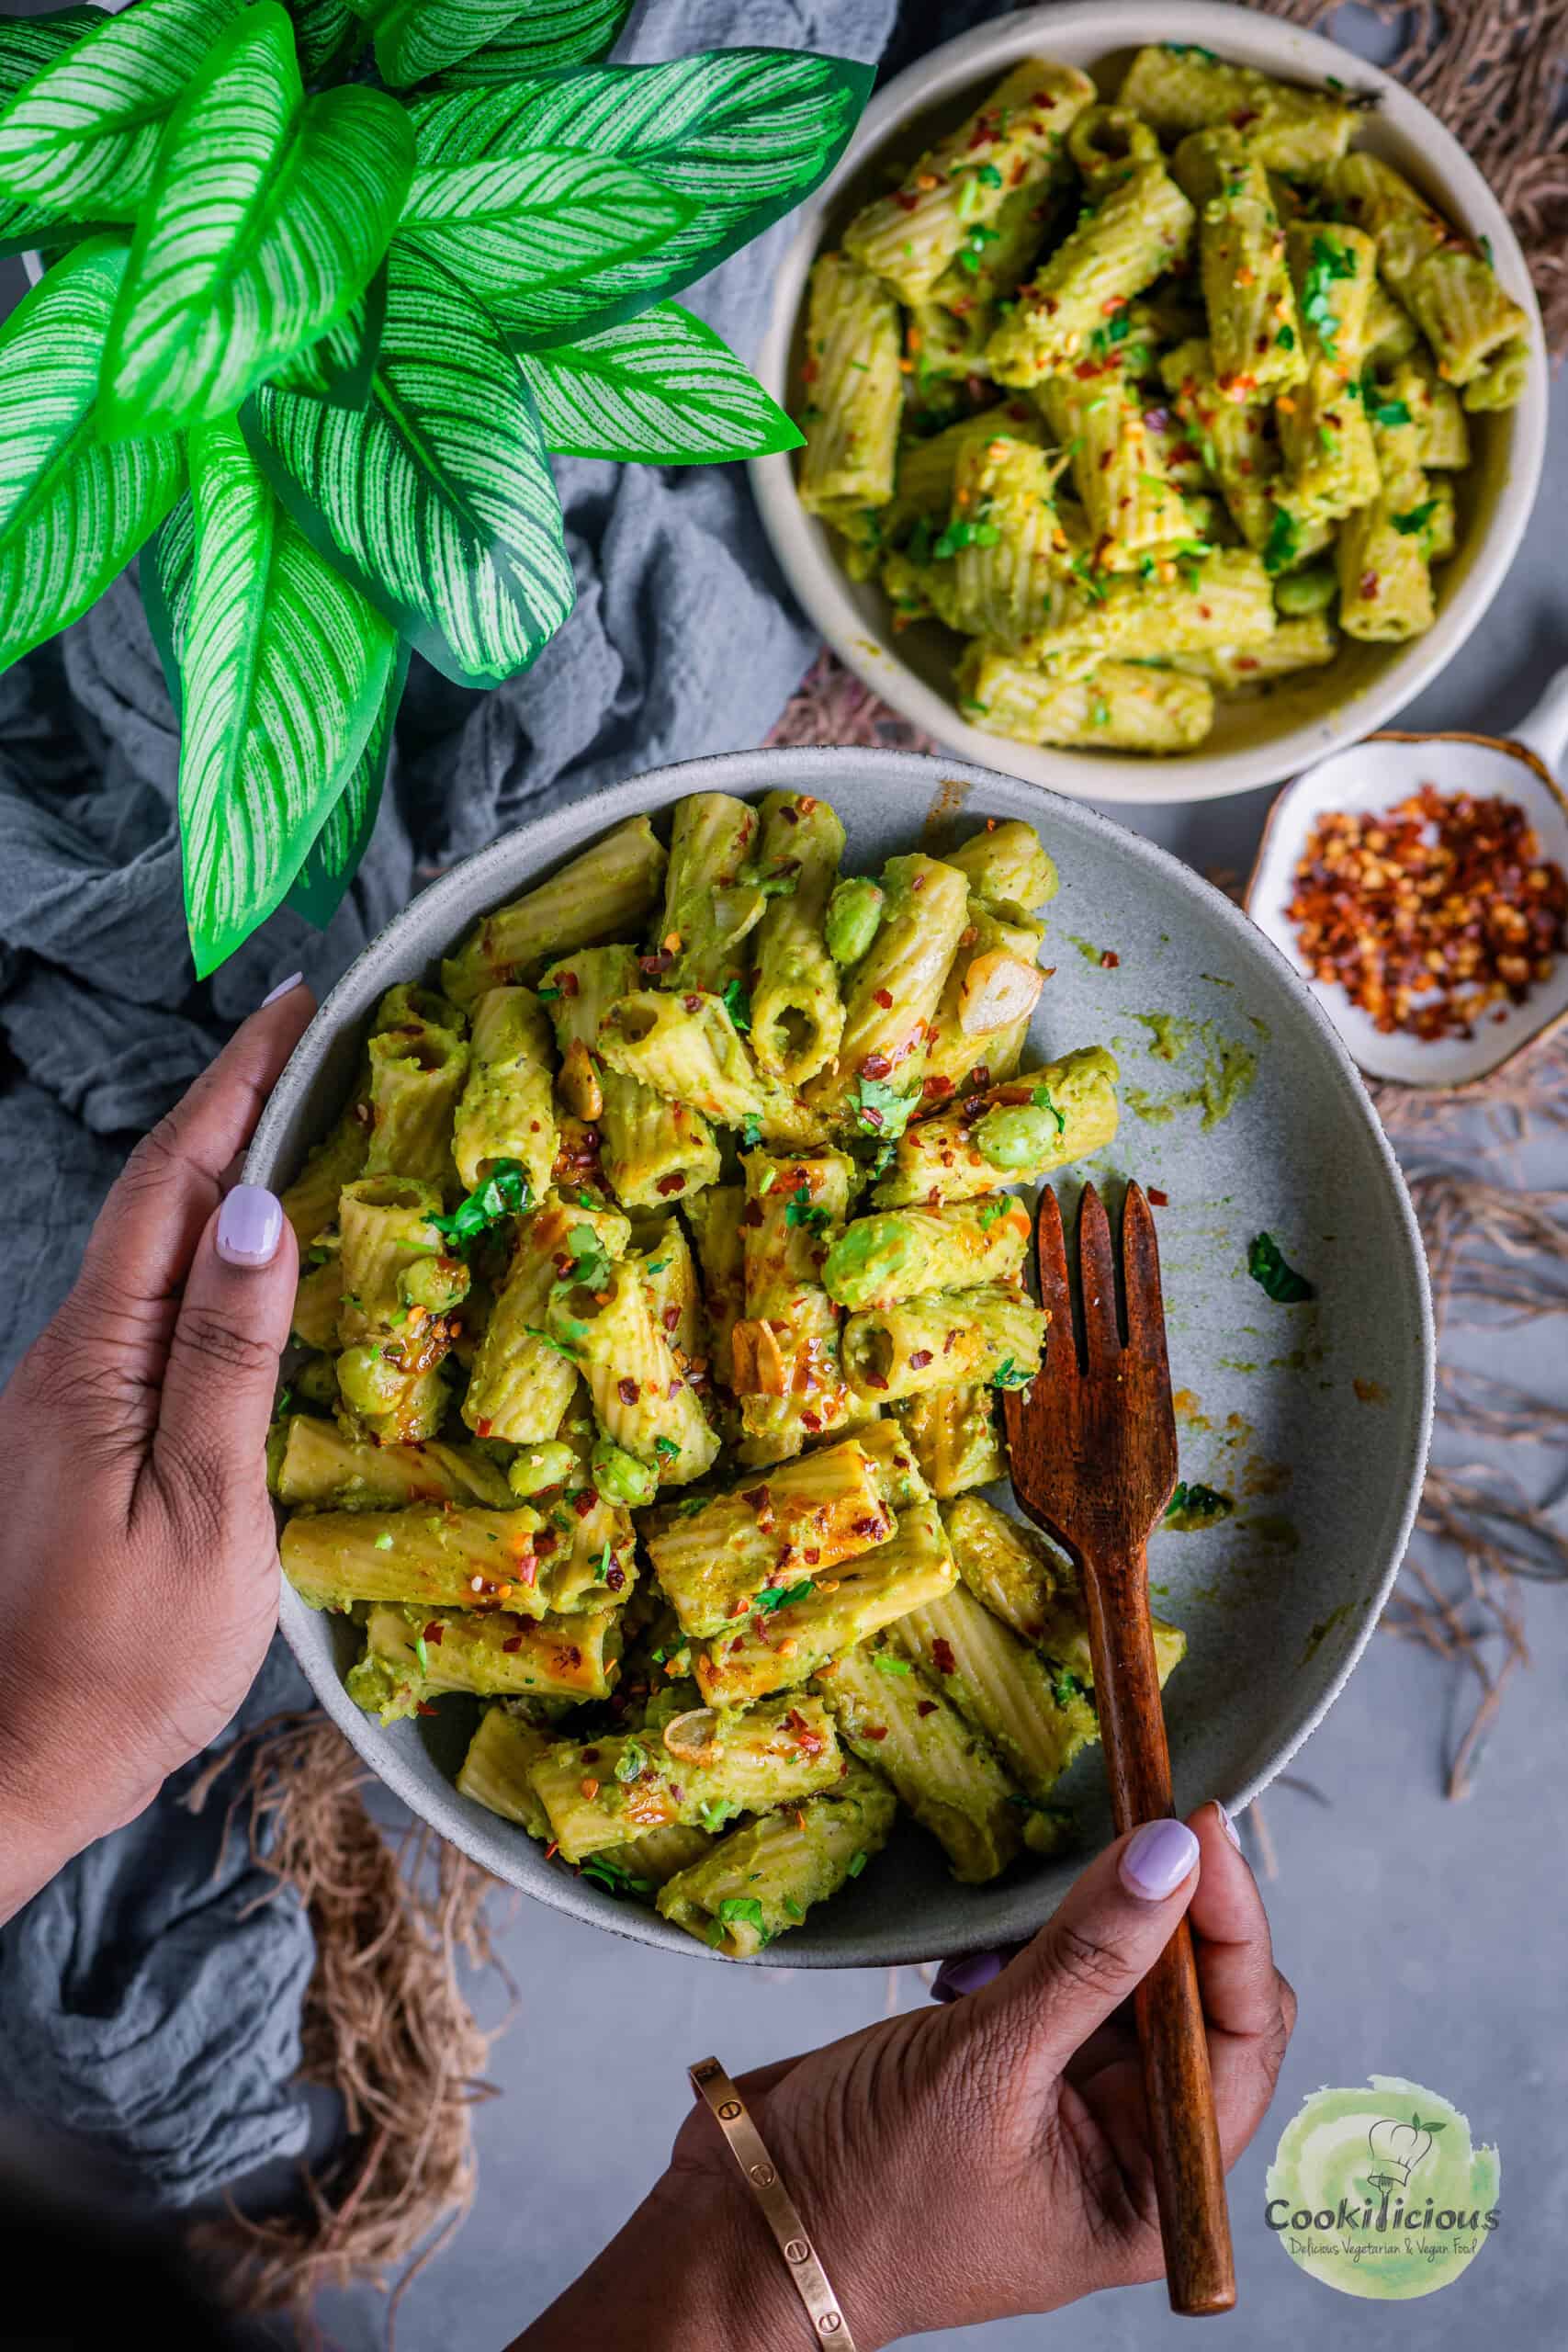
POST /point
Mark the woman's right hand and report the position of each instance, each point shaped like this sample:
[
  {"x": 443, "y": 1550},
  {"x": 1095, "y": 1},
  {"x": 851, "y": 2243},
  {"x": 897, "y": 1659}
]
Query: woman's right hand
[{"x": 978, "y": 2160}]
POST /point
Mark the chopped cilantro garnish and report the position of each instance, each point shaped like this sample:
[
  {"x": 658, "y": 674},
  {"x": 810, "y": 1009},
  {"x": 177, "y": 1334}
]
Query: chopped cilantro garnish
[
  {"x": 285, "y": 1398},
  {"x": 965, "y": 534},
  {"x": 1283, "y": 544},
  {"x": 799, "y": 1210},
  {"x": 658, "y": 1266},
  {"x": 383, "y": 1543},
  {"x": 750, "y": 1133},
  {"x": 790, "y": 1904},
  {"x": 504, "y": 1193},
  {"x": 666, "y": 1448},
  {"x": 423, "y": 1654},
  {"x": 1485, "y": 245},
  {"x": 1327, "y": 264},
  {"x": 590, "y": 1260},
  {"x": 1286, "y": 338},
  {"x": 886, "y": 1663},
  {"x": 858, "y": 1863},
  {"x": 633, "y": 1760},
  {"x": 781, "y": 1596},
  {"x": 1416, "y": 519},
  {"x": 605, "y": 1563},
  {"x": 1267, "y": 1264},
  {"x": 1009, "y": 1376},
  {"x": 1392, "y": 413},
  {"x": 737, "y": 1004},
  {"x": 713, "y": 1814},
  {"x": 989, "y": 1213},
  {"x": 1198, "y": 1502},
  {"x": 883, "y": 1111},
  {"x": 744, "y": 1910},
  {"x": 689, "y": 1504},
  {"x": 613, "y": 1878},
  {"x": 1041, "y": 1098},
  {"x": 1065, "y": 1687},
  {"x": 988, "y": 176}
]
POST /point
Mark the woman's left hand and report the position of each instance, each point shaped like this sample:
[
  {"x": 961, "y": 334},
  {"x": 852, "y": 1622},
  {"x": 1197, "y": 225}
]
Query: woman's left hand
[{"x": 139, "y": 1573}]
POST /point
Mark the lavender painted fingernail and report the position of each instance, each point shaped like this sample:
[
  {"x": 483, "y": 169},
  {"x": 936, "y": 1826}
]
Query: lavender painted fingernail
[
  {"x": 1227, "y": 1825},
  {"x": 1156, "y": 1859},
  {"x": 956, "y": 1977},
  {"x": 281, "y": 989},
  {"x": 250, "y": 1227}
]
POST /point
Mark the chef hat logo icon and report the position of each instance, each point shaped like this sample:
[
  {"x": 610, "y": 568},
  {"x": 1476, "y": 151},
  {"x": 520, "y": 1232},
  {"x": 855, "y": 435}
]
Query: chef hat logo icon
[{"x": 1399, "y": 2147}]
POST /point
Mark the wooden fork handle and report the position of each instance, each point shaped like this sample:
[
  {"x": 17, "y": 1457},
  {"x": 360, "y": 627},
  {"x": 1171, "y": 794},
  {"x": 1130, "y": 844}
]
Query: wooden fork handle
[{"x": 1188, "y": 2176}]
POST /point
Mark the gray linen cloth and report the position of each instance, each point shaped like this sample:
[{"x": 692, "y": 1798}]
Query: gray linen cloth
[{"x": 137, "y": 2003}]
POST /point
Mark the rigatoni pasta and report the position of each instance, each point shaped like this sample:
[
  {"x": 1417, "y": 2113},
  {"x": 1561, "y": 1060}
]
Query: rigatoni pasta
[
  {"x": 1191, "y": 297},
  {"x": 653, "y": 1477}
]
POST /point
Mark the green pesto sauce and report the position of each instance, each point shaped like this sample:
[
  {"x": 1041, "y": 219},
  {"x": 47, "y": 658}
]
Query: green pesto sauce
[
  {"x": 1275, "y": 1528},
  {"x": 1191, "y": 1508},
  {"x": 1223, "y": 1078},
  {"x": 1087, "y": 948}
]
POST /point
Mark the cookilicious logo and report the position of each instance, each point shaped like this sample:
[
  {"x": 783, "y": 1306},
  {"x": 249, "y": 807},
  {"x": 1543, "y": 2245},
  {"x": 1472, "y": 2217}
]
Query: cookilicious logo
[{"x": 1379, "y": 2191}]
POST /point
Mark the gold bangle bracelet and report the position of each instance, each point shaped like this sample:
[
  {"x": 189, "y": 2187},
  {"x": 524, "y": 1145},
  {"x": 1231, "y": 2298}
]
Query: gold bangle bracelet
[{"x": 762, "y": 2177}]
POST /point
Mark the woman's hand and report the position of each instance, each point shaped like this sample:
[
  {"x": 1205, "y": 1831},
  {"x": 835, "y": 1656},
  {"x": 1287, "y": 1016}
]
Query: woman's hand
[
  {"x": 969, "y": 2162},
  {"x": 138, "y": 1560}
]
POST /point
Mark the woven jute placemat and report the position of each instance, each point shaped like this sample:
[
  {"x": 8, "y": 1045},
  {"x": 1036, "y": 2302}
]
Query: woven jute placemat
[{"x": 402, "y": 1937}]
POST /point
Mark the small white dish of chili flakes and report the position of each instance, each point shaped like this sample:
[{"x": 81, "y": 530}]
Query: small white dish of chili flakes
[{"x": 1419, "y": 885}]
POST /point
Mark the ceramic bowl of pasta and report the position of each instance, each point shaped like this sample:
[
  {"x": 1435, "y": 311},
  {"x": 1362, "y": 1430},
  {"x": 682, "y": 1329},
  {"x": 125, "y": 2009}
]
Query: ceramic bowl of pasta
[
  {"x": 1172, "y": 411},
  {"x": 662, "y": 1179}
]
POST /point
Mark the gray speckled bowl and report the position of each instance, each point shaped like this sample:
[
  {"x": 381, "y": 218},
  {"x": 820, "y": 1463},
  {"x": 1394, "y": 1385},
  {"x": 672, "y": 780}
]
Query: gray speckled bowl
[{"x": 1315, "y": 1417}]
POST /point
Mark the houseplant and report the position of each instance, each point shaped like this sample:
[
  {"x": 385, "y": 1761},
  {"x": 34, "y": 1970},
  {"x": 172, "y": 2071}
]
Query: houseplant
[{"x": 328, "y": 283}]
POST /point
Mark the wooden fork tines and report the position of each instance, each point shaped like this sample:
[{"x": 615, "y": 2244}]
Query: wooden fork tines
[{"x": 1094, "y": 1448}]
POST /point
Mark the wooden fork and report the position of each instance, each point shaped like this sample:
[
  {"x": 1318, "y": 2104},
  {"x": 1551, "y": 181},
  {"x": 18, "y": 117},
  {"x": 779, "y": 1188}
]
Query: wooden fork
[{"x": 1093, "y": 1446}]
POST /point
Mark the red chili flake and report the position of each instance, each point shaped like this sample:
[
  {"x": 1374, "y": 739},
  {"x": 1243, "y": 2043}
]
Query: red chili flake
[
  {"x": 666, "y": 1185},
  {"x": 659, "y": 962},
  {"x": 876, "y": 1066},
  {"x": 875, "y": 1731},
  {"x": 1241, "y": 119},
  {"x": 483, "y": 1426},
  {"x": 526, "y": 1568},
  {"x": 583, "y": 1502},
  {"x": 981, "y": 1074},
  {"x": 1108, "y": 960},
  {"x": 872, "y": 1381},
  {"x": 552, "y": 1850},
  {"x": 513, "y": 1642},
  {"x": 925, "y": 1706},
  {"x": 1159, "y": 1200},
  {"x": 545, "y": 1541},
  {"x": 627, "y": 1391},
  {"x": 435, "y": 1633},
  {"x": 873, "y": 1529},
  {"x": 943, "y": 1658},
  {"x": 425, "y": 1708},
  {"x": 812, "y": 1421},
  {"x": 1369, "y": 585},
  {"x": 569, "y": 983},
  {"x": 591, "y": 1755},
  {"x": 752, "y": 1214},
  {"x": 918, "y": 883},
  {"x": 920, "y": 1359},
  {"x": 614, "y": 1579},
  {"x": 905, "y": 203},
  {"x": 791, "y": 816},
  {"x": 670, "y": 1319},
  {"x": 759, "y": 1498},
  {"x": 883, "y": 997}
]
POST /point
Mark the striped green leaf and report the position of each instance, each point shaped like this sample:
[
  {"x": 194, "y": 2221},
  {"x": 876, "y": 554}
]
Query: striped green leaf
[
  {"x": 73, "y": 513},
  {"x": 550, "y": 36},
  {"x": 661, "y": 386},
  {"x": 267, "y": 215},
  {"x": 437, "y": 498},
  {"x": 326, "y": 34},
  {"x": 81, "y": 138},
  {"x": 513, "y": 225},
  {"x": 339, "y": 365},
  {"x": 283, "y": 670},
  {"x": 29, "y": 43},
  {"x": 317, "y": 890},
  {"x": 417, "y": 38},
  {"x": 743, "y": 134}
]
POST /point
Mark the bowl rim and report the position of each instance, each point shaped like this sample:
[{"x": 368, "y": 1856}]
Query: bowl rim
[
  {"x": 1282, "y": 806},
  {"x": 822, "y": 588},
  {"x": 469, "y": 888}
]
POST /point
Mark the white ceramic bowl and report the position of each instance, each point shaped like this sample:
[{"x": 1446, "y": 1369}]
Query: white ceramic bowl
[
  {"x": 1315, "y": 1416},
  {"x": 1253, "y": 742}
]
